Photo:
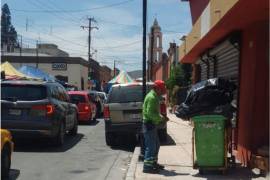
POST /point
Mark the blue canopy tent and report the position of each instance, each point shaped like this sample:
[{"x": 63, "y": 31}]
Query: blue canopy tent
[{"x": 35, "y": 72}]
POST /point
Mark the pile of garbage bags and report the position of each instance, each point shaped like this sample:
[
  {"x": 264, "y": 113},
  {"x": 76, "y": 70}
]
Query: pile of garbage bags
[{"x": 212, "y": 96}]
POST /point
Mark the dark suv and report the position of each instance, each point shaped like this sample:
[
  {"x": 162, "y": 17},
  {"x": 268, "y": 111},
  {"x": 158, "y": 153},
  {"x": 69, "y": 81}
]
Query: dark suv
[{"x": 33, "y": 108}]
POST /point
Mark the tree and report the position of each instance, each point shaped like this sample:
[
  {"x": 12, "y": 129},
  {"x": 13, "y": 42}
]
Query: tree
[
  {"x": 180, "y": 76},
  {"x": 8, "y": 32}
]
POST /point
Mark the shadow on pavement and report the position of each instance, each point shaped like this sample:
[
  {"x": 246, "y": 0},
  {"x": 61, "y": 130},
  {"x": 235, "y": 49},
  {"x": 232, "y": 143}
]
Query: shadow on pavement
[
  {"x": 45, "y": 145},
  {"x": 13, "y": 174},
  {"x": 128, "y": 142},
  {"x": 238, "y": 173},
  {"x": 125, "y": 143},
  {"x": 92, "y": 123},
  {"x": 169, "y": 142},
  {"x": 168, "y": 173}
]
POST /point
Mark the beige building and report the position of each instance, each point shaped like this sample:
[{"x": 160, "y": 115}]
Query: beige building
[{"x": 73, "y": 70}]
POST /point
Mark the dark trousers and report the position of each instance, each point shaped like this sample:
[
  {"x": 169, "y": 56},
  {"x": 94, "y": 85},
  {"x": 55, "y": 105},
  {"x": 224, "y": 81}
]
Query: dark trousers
[{"x": 151, "y": 144}]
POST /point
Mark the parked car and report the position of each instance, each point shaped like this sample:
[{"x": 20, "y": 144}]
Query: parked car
[
  {"x": 7, "y": 146},
  {"x": 85, "y": 105},
  {"x": 123, "y": 112},
  {"x": 97, "y": 100},
  {"x": 103, "y": 99},
  {"x": 33, "y": 108}
]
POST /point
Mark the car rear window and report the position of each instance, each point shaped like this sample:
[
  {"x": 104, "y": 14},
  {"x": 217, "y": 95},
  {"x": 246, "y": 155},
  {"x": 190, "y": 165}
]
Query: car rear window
[
  {"x": 23, "y": 92},
  {"x": 126, "y": 94},
  {"x": 76, "y": 98}
]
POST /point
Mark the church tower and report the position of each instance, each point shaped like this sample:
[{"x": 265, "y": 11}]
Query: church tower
[
  {"x": 154, "y": 48},
  {"x": 155, "y": 41}
]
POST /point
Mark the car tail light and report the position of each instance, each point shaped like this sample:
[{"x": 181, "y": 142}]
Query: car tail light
[
  {"x": 106, "y": 112},
  {"x": 48, "y": 108},
  {"x": 86, "y": 107}
]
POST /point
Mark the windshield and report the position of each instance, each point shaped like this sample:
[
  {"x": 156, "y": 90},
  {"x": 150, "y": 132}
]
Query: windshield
[
  {"x": 126, "y": 94},
  {"x": 22, "y": 92}
]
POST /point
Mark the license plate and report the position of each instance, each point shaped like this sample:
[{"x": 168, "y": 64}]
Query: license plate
[
  {"x": 15, "y": 112},
  {"x": 136, "y": 116}
]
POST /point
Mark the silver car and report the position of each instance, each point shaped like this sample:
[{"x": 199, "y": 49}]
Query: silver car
[{"x": 123, "y": 112}]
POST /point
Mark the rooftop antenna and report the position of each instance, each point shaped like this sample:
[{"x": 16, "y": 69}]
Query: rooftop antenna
[
  {"x": 26, "y": 25},
  {"x": 51, "y": 28}
]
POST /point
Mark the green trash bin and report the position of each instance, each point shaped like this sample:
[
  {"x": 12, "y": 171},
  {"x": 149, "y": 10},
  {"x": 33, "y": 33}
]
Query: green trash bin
[{"x": 209, "y": 140}]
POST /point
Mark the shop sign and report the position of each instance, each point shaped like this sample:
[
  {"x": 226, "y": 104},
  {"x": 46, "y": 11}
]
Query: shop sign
[{"x": 59, "y": 66}]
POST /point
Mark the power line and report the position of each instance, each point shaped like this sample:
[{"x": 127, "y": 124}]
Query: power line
[
  {"x": 73, "y": 11},
  {"x": 122, "y": 45},
  {"x": 40, "y": 4},
  {"x": 172, "y": 32},
  {"x": 62, "y": 39},
  {"x": 120, "y": 24}
]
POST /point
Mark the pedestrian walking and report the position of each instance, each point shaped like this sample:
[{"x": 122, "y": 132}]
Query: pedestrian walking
[{"x": 151, "y": 119}]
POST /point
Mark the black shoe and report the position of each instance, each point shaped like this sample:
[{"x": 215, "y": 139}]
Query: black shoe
[
  {"x": 159, "y": 166},
  {"x": 151, "y": 171}
]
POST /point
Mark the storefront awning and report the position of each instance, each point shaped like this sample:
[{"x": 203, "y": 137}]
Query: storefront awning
[{"x": 12, "y": 73}]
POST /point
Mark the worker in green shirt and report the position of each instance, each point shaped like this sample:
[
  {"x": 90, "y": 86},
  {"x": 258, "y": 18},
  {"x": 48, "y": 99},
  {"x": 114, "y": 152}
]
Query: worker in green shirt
[{"x": 151, "y": 119}]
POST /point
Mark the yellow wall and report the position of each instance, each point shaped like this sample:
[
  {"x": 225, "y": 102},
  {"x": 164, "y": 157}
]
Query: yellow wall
[{"x": 218, "y": 8}]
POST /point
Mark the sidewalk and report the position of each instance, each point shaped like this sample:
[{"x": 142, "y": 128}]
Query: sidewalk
[{"x": 176, "y": 155}]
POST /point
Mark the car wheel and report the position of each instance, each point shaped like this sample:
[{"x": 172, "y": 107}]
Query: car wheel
[
  {"x": 74, "y": 130},
  {"x": 5, "y": 162},
  {"x": 162, "y": 133},
  {"x": 59, "y": 139},
  {"x": 110, "y": 139}
]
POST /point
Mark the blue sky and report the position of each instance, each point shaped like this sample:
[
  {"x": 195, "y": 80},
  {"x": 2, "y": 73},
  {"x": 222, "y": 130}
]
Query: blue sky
[{"x": 119, "y": 36}]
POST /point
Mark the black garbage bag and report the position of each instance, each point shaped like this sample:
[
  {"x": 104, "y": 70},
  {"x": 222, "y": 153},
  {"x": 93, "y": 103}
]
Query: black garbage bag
[
  {"x": 185, "y": 112},
  {"x": 208, "y": 97},
  {"x": 211, "y": 92}
]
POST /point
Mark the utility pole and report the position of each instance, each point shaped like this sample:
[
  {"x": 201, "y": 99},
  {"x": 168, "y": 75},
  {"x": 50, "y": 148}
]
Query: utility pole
[
  {"x": 144, "y": 47},
  {"x": 89, "y": 27}
]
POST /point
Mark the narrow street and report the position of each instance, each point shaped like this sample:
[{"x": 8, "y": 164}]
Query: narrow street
[{"x": 85, "y": 156}]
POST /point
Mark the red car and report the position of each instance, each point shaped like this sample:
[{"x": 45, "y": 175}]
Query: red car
[{"x": 86, "y": 106}]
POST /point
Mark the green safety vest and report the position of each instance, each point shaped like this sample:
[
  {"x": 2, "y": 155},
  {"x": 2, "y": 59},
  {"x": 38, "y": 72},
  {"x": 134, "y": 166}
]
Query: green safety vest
[{"x": 151, "y": 108}]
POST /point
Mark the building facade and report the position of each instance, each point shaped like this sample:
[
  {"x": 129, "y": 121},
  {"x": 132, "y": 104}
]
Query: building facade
[
  {"x": 230, "y": 39},
  {"x": 105, "y": 74}
]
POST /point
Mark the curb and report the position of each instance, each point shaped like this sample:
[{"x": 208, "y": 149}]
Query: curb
[{"x": 133, "y": 164}]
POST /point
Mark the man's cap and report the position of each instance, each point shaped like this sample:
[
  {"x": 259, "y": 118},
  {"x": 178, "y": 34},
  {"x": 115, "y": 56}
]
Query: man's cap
[{"x": 160, "y": 85}]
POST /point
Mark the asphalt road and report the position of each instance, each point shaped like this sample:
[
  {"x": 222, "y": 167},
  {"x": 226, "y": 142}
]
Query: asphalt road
[{"x": 85, "y": 156}]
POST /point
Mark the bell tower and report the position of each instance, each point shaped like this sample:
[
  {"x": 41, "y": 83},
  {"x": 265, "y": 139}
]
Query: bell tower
[{"x": 155, "y": 43}]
